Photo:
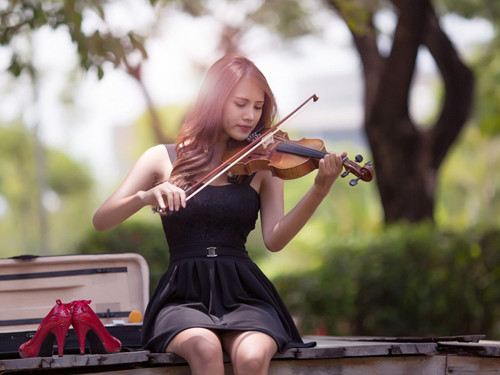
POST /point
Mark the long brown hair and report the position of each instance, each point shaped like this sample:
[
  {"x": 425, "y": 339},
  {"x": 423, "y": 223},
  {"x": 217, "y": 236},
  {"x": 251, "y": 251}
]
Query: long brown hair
[{"x": 202, "y": 127}]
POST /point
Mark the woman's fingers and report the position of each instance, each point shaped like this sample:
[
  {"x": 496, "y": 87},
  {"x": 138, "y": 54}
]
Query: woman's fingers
[
  {"x": 168, "y": 196},
  {"x": 331, "y": 164},
  {"x": 329, "y": 170}
]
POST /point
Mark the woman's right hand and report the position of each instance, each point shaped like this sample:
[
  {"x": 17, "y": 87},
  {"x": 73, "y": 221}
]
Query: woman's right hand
[
  {"x": 135, "y": 192},
  {"x": 165, "y": 196}
]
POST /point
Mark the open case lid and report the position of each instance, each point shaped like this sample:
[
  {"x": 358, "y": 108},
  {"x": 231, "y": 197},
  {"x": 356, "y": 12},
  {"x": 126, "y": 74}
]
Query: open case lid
[{"x": 29, "y": 287}]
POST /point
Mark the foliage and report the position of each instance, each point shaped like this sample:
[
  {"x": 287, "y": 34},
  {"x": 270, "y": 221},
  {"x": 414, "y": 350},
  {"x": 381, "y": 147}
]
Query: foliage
[
  {"x": 95, "y": 48},
  {"x": 469, "y": 184},
  {"x": 407, "y": 281},
  {"x": 171, "y": 117},
  {"x": 486, "y": 63},
  {"x": 132, "y": 237},
  {"x": 67, "y": 199},
  {"x": 288, "y": 18},
  {"x": 487, "y": 68}
]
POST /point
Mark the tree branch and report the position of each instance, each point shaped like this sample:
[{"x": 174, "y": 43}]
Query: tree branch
[{"x": 459, "y": 88}]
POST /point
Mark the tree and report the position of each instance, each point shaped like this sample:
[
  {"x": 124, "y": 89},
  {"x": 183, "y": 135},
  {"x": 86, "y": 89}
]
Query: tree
[{"x": 407, "y": 156}]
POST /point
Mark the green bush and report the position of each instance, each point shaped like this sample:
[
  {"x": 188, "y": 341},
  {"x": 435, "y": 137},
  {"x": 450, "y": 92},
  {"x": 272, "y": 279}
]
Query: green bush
[
  {"x": 406, "y": 281},
  {"x": 409, "y": 281}
]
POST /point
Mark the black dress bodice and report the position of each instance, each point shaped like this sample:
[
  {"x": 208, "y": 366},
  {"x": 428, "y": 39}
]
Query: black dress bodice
[{"x": 217, "y": 215}]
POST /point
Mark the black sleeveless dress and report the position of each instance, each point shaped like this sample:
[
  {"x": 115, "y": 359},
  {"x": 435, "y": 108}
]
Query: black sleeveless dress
[{"x": 211, "y": 282}]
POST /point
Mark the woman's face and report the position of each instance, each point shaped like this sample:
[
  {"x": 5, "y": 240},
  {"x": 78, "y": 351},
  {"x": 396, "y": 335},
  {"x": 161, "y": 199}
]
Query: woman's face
[{"x": 242, "y": 110}]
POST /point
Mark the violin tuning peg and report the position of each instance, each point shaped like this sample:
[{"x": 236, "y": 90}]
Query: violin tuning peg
[
  {"x": 354, "y": 181},
  {"x": 358, "y": 158},
  {"x": 369, "y": 163},
  {"x": 252, "y": 137},
  {"x": 345, "y": 174}
]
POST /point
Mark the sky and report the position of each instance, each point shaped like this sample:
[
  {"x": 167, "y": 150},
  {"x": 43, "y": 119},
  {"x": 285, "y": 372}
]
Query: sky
[{"x": 85, "y": 129}]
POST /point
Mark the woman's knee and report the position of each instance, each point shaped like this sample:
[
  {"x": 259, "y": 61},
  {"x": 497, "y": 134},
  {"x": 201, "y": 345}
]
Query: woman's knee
[
  {"x": 197, "y": 345},
  {"x": 251, "y": 361},
  {"x": 253, "y": 356},
  {"x": 206, "y": 350}
]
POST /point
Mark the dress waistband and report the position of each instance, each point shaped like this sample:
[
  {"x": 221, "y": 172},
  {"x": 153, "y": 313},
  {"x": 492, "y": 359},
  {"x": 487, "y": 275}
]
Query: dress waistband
[{"x": 206, "y": 251}]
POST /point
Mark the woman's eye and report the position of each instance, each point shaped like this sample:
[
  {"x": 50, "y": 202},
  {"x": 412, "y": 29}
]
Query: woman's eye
[
  {"x": 241, "y": 105},
  {"x": 258, "y": 108}
]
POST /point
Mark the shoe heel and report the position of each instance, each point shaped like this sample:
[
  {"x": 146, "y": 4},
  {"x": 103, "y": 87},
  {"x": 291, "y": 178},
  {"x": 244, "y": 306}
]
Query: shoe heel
[
  {"x": 59, "y": 332},
  {"x": 81, "y": 330}
]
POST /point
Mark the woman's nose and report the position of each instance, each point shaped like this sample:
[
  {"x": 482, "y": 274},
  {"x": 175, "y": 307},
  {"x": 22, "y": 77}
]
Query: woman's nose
[{"x": 249, "y": 114}]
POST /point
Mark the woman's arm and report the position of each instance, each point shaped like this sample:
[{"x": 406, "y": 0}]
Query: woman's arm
[
  {"x": 279, "y": 229},
  {"x": 137, "y": 190}
]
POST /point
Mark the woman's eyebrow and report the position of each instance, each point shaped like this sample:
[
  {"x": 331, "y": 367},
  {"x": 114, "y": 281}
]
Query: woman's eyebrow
[{"x": 247, "y": 100}]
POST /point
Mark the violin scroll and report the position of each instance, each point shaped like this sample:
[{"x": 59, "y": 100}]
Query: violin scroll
[{"x": 364, "y": 173}]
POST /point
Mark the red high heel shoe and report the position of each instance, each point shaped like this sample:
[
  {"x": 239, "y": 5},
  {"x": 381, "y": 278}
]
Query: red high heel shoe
[
  {"x": 88, "y": 325},
  {"x": 54, "y": 325}
]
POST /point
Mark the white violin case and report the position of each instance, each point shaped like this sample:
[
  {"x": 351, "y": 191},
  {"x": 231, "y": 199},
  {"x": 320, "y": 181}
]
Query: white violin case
[{"x": 116, "y": 284}]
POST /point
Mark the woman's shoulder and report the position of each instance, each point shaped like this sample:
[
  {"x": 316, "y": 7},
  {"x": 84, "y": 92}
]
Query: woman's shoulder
[
  {"x": 156, "y": 161},
  {"x": 158, "y": 152},
  {"x": 265, "y": 179}
]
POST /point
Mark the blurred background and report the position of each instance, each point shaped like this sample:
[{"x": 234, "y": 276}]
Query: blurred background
[{"x": 87, "y": 85}]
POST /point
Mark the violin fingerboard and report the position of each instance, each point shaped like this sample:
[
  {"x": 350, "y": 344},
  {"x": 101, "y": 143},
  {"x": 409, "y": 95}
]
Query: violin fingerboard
[{"x": 296, "y": 149}]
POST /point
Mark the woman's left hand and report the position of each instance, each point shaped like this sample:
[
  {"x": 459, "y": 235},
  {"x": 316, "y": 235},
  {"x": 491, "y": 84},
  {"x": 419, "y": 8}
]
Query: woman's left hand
[{"x": 329, "y": 169}]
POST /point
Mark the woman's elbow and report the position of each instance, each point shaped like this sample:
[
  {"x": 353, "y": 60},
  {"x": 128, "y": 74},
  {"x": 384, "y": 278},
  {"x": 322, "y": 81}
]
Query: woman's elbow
[
  {"x": 100, "y": 225},
  {"x": 97, "y": 225},
  {"x": 273, "y": 247}
]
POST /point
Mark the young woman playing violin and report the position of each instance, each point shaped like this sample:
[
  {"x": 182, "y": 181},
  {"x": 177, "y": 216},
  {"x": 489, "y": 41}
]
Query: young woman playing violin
[{"x": 213, "y": 298}]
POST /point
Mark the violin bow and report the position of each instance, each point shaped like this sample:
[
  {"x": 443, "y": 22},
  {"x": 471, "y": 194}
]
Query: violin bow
[{"x": 265, "y": 138}]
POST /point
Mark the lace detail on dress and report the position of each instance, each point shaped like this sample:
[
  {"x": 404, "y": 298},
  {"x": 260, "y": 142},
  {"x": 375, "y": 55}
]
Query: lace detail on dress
[{"x": 218, "y": 214}]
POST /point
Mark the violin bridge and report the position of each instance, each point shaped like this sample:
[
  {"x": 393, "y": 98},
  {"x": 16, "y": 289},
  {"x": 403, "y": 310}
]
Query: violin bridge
[{"x": 267, "y": 140}]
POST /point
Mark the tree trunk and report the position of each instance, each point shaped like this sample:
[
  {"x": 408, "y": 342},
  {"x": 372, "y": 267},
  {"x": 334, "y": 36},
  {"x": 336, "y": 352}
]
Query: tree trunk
[{"x": 407, "y": 157}]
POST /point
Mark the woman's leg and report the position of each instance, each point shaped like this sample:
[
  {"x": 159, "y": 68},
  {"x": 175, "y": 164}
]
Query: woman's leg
[
  {"x": 250, "y": 352},
  {"x": 201, "y": 348}
]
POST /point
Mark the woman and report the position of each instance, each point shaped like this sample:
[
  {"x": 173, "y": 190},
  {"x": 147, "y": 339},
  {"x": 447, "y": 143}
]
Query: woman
[{"x": 213, "y": 298}]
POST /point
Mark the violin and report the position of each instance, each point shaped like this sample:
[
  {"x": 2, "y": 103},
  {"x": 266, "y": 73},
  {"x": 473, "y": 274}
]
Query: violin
[
  {"x": 289, "y": 159},
  {"x": 268, "y": 150}
]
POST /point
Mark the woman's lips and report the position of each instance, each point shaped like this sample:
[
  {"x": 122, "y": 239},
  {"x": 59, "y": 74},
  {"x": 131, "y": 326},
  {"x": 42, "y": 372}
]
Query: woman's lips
[{"x": 245, "y": 128}]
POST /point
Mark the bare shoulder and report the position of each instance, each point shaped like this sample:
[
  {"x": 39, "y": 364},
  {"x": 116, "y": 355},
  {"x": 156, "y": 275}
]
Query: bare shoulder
[
  {"x": 156, "y": 151},
  {"x": 264, "y": 181},
  {"x": 156, "y": 162}
]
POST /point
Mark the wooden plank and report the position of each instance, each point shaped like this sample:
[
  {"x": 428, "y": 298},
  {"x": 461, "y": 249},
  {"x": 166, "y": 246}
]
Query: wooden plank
[
  {"x": 412, "y": 365},
  {"x": 466, "y": 365},
  {"x": 483, "y": 348},
  {"x": 165, "y": 358},
  {"x": 74, "y": 361},
  {"x": 330, "y": 356},
  {"x": 170, "y": 358},
  {"x": 159, "y": 370},
  {"x": 338, "y": 349},
  {"x": 457, "y": 338},
  {"x": 341, "y": 366}
]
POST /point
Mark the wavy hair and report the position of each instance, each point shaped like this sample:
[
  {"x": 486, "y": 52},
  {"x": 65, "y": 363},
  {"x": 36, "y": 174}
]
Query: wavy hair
[{"x": 202, "y": 127}]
